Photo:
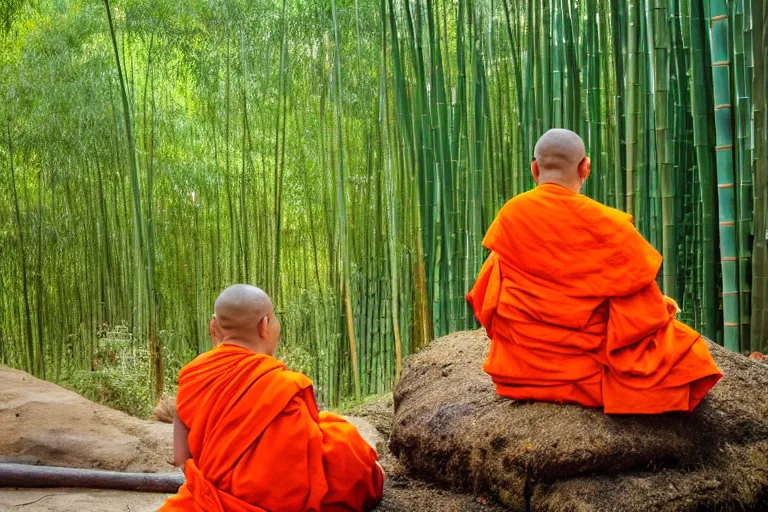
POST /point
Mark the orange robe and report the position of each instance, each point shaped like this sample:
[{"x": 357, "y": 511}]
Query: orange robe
[
  {"x": 569, "y": 298},
  {"x": 259, "y": 444}
]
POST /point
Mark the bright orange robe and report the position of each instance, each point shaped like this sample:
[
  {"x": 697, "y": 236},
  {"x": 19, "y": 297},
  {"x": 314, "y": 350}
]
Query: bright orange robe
[
  {"x": 259, "y": 444},
  {"x": 569, "y": 298}
]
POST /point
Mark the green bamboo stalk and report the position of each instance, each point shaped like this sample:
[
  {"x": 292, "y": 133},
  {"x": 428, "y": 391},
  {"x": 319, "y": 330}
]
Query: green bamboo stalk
[
  {"x": 245, "y": 238},
  {"x": 597, "y": 184},
  {"x": 661, "y": 68},
  {"x": 633, "y": 102},
  {"x": 443, "y": 149},
  {"x": 40, "y": 352},
  {"x": 156, "y": 349},
  {"x": 389, "y": 190},
  {"x": 743, "y": 170},
  {"x": 573, "y": 80},
  {"x": 530, "y": 99},
  {"x": 29, "y": 341},
  {"x": 231, "y": 260},
  {"x": 518, "y": 71},
  {"x": 700, "y": 100},
  {"x": 545, "y": 68},
  {"x": 721, "y": 66},
  {"x": 156, "y": 380},
  {"x": 557, "y": 65},
  {"x": 759, "y": 335},
  {"x": 280, "y": 163},
  {"x": 342, "y": 209}
]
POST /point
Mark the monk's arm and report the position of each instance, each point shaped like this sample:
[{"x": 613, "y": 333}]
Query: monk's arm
[
  {"x": 181, "y": 453},
  {"x": 484, "y": 296}
]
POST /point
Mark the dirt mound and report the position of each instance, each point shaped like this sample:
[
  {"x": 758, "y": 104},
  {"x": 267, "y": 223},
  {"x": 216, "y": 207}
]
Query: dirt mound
[
  {"x": 452, "y": 429},
  {"x": 43, "y": 423}
]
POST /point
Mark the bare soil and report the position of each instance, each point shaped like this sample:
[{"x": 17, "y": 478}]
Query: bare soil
[{"x": 43, "y": 423}]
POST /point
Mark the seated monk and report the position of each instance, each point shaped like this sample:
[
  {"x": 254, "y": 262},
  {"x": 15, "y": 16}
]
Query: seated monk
[
  {"x": 248, "y": 433},
  {"x": 568, "y": 296}
]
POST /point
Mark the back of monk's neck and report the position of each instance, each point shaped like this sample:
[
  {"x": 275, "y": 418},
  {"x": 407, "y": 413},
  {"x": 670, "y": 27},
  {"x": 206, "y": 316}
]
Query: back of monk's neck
[
  {"x": 556, "y": 185},
  {"x": 237, "y": 345}
]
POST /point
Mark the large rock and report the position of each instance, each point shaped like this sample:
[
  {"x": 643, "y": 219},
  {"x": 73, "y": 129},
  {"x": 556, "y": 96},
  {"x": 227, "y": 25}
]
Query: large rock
[
  {"x": 451, "y": 428},
  {"x": 43, "y": 423}
]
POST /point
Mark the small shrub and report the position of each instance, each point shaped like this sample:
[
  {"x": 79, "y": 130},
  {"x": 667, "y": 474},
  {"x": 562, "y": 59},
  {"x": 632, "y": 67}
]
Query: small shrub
[{"x": 120, "y": 375}]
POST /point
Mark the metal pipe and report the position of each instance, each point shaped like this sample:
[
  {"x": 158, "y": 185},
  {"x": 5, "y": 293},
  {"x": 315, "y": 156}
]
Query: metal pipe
[{"x": 27, "y": 475}]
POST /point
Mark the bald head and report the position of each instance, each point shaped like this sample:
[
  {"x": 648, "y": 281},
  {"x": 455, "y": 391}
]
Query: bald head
[
  {"x": 245, "y": 314},
  {"x": 559, "y": 158}
]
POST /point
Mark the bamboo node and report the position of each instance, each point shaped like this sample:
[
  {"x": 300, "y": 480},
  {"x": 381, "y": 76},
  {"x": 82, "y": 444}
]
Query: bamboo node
[
  {"x": 723, "y": 147},
  {"x": 721, "y": 63},
  {"x": 718, "y": 18}
]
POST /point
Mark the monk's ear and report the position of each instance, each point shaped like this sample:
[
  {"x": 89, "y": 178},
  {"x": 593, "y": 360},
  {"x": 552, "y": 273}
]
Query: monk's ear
[
  {"x": 585, "y": 167},
  {"x": 212, "y": 330},
  {"x": 535, "y": 171},
  {"x": 264, "y": 327}
]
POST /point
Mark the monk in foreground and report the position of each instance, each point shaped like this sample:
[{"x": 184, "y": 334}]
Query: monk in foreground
[
  {"x": 248, "y": 433},
  {"x": 569, "y": 298}
]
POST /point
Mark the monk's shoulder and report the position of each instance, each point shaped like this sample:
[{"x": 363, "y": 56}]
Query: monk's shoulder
[
  {"x": 542, "y": 199},
  {"x": 519, "y": 201},
  {"x": 290, "y": 377},
  {"x": 298, "y": 385},
  {"x": 519, "y": 208},
  {"x": 616, "y": 218},
  {"x": 194, "y": 364}
]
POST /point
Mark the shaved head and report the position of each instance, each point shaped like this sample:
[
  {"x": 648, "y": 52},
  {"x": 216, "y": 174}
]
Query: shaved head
[
  {"x": 559, "y": 150},
  {"x": 243, "y": 313},
  {"x": 559, "y": 155}
]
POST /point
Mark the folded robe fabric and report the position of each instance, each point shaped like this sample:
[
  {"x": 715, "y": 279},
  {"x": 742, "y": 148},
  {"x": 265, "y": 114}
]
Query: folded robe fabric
[
  {"x": 569, "y": 298},
  {"x": 258, "y": 442}
]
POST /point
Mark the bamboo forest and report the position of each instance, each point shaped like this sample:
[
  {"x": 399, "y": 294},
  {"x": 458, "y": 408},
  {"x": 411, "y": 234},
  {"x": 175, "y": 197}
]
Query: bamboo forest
[{"x": 347, "y": 156}]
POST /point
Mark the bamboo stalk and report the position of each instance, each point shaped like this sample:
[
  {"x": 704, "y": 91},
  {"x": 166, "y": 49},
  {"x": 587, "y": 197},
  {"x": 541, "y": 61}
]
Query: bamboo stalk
[
  {"x": 341, "y": 209},
  {"x": 156, "y": 380},
  {"x": 725, "y": 177},
  {"x": 661, "y": 68},
  {"x": 759, "y": 334}
]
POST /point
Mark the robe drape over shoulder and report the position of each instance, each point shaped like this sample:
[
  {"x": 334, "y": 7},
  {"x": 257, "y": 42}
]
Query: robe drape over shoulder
[
  {"x": 569, "y": 299},
  {"x": 258, "y": 442}
]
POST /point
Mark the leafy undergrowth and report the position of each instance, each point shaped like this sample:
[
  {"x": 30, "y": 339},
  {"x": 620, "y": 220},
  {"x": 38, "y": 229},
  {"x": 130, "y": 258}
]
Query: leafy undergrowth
[
  {"x": 352, "y": 406},
  {"x": 120, "y": 376}
]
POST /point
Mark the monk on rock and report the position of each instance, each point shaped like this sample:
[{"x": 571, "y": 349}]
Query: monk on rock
[
  {"x": 569, "y": 298},
  {"x": 248, "y": 433}
]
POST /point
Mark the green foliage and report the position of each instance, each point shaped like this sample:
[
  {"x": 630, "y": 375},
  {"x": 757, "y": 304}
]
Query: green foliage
[
  {"x": 348, "y": 157},
  {"x": 120, "y": 370},
  {"x": 119, "y": 374},
  {"x": 354, "y": 407}
]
